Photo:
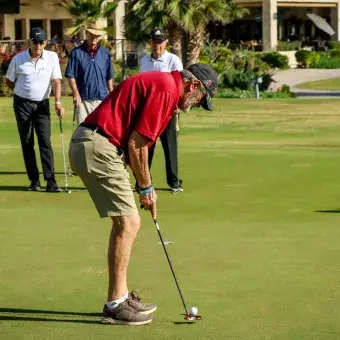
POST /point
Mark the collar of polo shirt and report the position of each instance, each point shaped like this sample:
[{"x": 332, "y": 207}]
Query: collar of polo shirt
[
  {"x": 30, "y": 57},
  {"x": 161, "y": 58}
]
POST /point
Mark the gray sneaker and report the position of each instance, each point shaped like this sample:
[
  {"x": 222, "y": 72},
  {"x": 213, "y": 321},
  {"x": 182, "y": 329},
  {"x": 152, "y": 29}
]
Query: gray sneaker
[
  {"x": 124, "y": 314},
  {"x": 144, "y": 308}
]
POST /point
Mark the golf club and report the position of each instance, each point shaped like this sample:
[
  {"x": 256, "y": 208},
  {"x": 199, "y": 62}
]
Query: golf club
[
  {"x": 187, "y": 316},
  {"x": 75, "y": 112},
  {"x": 67, "y": 190}
]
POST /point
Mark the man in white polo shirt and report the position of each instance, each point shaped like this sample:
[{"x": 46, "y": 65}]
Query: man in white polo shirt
[
  {"x": 31, "y": 74},
  {"x": 163, "y": 61}
]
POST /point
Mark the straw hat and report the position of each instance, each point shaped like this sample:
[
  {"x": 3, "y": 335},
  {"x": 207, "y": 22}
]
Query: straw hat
[{"x": 95, "y": 27}]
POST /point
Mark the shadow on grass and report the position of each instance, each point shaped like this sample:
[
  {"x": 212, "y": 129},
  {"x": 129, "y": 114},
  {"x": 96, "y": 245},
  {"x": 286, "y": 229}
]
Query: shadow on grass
[
  {"x": 25, "y": 318},
  {"x": 38, "y": 311},
  {"x": 6, "y": 314},
  {"x": 184, "y": 323},
  {"x": 334, "y": 211},
  {"x": 23, "y": 173},
  {"x": 24, "y": 188},
  {"x": 27, "y": 315}
]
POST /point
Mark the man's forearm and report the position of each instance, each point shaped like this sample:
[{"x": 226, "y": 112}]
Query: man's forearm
[
  {"x": 138, "y": 154},
  {"x": 57, "y": 90},
  {"x": 110, "y": 85},
  {"x": 73, "y": 86}
]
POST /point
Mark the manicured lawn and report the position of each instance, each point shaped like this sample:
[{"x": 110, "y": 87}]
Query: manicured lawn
[
  {"x": 327, "y": 84},
  {"x": 256, "y": 233}
]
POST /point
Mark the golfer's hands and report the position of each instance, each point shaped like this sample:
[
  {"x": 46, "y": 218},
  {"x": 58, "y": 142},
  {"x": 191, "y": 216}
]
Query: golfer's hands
[
  {"x": 148, "y": 202},
  {"x": 60, "y": 110},
  {"x": 76, "y": 100}
]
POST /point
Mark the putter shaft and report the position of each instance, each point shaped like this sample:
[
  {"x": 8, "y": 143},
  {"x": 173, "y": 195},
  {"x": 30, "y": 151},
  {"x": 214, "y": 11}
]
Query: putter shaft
[{"x": 171, "y": 267}]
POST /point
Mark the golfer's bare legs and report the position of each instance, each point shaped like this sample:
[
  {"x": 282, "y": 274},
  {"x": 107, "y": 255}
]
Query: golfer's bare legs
[{"x": 123, "y": 234}]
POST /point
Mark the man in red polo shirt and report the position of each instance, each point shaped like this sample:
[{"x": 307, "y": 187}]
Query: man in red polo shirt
[{"x": 117, "y": 133}]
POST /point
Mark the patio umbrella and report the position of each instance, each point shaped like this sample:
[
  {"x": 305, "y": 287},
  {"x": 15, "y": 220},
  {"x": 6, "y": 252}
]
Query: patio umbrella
[{"x": 321, "y": 23}]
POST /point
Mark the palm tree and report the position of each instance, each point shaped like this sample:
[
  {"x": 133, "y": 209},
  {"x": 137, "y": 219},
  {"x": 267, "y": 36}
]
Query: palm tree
[
  {"x": 178, "y": 16},
  {"x": 143, "y": 16},
  {"x": 200, "y": 14},
  {"x": 84, "y": 11}
]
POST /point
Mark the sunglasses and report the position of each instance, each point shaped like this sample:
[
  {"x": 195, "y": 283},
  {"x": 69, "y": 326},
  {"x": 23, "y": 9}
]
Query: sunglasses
[{"x": 38, "y": 42}]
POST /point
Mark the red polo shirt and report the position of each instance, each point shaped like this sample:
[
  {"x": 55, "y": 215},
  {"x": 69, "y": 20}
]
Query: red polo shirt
[{"x": 143, "y": 103}]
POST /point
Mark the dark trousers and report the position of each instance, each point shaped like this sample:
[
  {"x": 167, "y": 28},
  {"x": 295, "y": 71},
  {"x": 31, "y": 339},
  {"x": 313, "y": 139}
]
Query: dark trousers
[
  {"x": 30, "y": 116},
  {"x": 169, "y": 143}
]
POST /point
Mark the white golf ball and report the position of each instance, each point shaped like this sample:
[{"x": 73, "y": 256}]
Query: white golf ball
[{"x": 193, "y": 311}]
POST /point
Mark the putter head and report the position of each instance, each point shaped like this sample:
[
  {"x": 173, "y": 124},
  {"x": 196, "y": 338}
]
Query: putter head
[
  {"x": 191, "y": 317},
  {"x": 68, "y": 191}
]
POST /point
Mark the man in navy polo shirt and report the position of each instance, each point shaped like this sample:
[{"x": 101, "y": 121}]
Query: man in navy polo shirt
[{"x": 90, "y": 72}]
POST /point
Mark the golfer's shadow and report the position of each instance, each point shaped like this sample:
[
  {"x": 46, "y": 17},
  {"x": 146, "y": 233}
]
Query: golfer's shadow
[
  {"x": 332, "y": 211},
  {"x": 17, "y": 314},
  {"x": 37, "y": 315},
  {"x": 24, "y": 188}
]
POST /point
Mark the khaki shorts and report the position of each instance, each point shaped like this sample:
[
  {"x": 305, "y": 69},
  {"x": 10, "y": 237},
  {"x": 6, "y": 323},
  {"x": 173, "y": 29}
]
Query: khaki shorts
[
  {"x": 85, "y": 108},
  {"x": 100, "y": 165}
]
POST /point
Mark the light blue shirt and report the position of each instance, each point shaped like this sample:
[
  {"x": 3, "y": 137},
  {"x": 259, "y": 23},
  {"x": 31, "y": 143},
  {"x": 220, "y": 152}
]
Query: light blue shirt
[
  {"x": 33, "y": 78},
  {"x": 168, "y": 62}
]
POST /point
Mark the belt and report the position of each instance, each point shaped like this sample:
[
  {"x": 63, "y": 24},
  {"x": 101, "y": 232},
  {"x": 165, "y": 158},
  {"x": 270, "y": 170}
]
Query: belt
[
  {"x": 29, "y": 100},
  {"x": 94, "y": 128}
]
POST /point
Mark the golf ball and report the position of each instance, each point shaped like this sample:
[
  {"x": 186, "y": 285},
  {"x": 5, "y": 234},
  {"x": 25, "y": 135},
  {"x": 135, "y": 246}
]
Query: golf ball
[{"x": 193, "y": 311}]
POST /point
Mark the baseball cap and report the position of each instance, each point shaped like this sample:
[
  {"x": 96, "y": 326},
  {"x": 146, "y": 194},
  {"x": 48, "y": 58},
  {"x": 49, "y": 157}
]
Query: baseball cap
[
  {"x": 158, "y": 34},
  {"x": 38, "y": 33},
  {"x": 209, "y": 79}
]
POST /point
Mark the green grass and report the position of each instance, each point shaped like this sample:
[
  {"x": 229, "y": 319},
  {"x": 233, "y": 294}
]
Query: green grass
[
  {"x": 251, "y": 250},
  {"x": 327, "y": 84}
]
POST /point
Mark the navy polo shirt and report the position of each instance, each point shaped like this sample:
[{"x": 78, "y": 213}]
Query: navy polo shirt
[{"x": 91, "y": 73}]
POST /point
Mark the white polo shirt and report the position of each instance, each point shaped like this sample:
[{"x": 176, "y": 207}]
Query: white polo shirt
[
  {"x": 168, "y": 62},
  {"x": 33, "y": 79}
]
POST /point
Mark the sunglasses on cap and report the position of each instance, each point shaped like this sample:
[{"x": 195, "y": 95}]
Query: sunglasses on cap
[{"x": 38, "y": 42}]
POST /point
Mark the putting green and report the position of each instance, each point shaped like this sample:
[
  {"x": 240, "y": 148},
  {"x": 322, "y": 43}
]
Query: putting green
[{"x": 256, "y": 233}]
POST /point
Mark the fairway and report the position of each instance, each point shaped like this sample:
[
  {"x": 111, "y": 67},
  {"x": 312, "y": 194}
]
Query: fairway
[
  {"x": 256, "y": 233},
  {"x": 326, "y": 84}
]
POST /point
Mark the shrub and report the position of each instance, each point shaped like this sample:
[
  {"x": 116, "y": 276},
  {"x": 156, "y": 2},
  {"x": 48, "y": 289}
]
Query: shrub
[
  {"x": 214, "y": 51},
  {"x": 242, "y": 79},
  {"x": 326, "y": 61},
  {"x": 242, "y": 94},
  {"x": 5, "y": 91},
  {"x": 276, "y": 95},
  {"x": 237, "y": 79},
  {"x": 335, "y": 54},
  {"x": 288, "y": 46},
  {"x": 306, "y": 58},
  {"x": 276, "y": 60},
  {"x": 267, "y": 79},
  {"x": 228, "y": 93},
  {"x": 335, "y": 45},
  {"x": 65, "y": 87}
]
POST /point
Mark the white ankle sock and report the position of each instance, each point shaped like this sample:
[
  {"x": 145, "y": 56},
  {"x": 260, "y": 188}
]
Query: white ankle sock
[{"x": 115, "y": 303}]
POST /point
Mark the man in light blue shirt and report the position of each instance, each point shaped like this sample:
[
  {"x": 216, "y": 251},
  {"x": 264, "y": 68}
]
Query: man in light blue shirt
[{"x": 163, "y": 61}]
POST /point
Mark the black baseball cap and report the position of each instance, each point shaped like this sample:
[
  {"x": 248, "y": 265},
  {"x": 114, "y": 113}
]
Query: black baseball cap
[
  {"x": 158, "y": 35},
  {"x": 38, "y": 33},
  {"x": 209, "y": 79}
]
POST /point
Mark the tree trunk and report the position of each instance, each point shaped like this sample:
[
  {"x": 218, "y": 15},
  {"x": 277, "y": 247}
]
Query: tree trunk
[
  {"x": 175, "y": 39},
  {"x": 195, "y": 43}
]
